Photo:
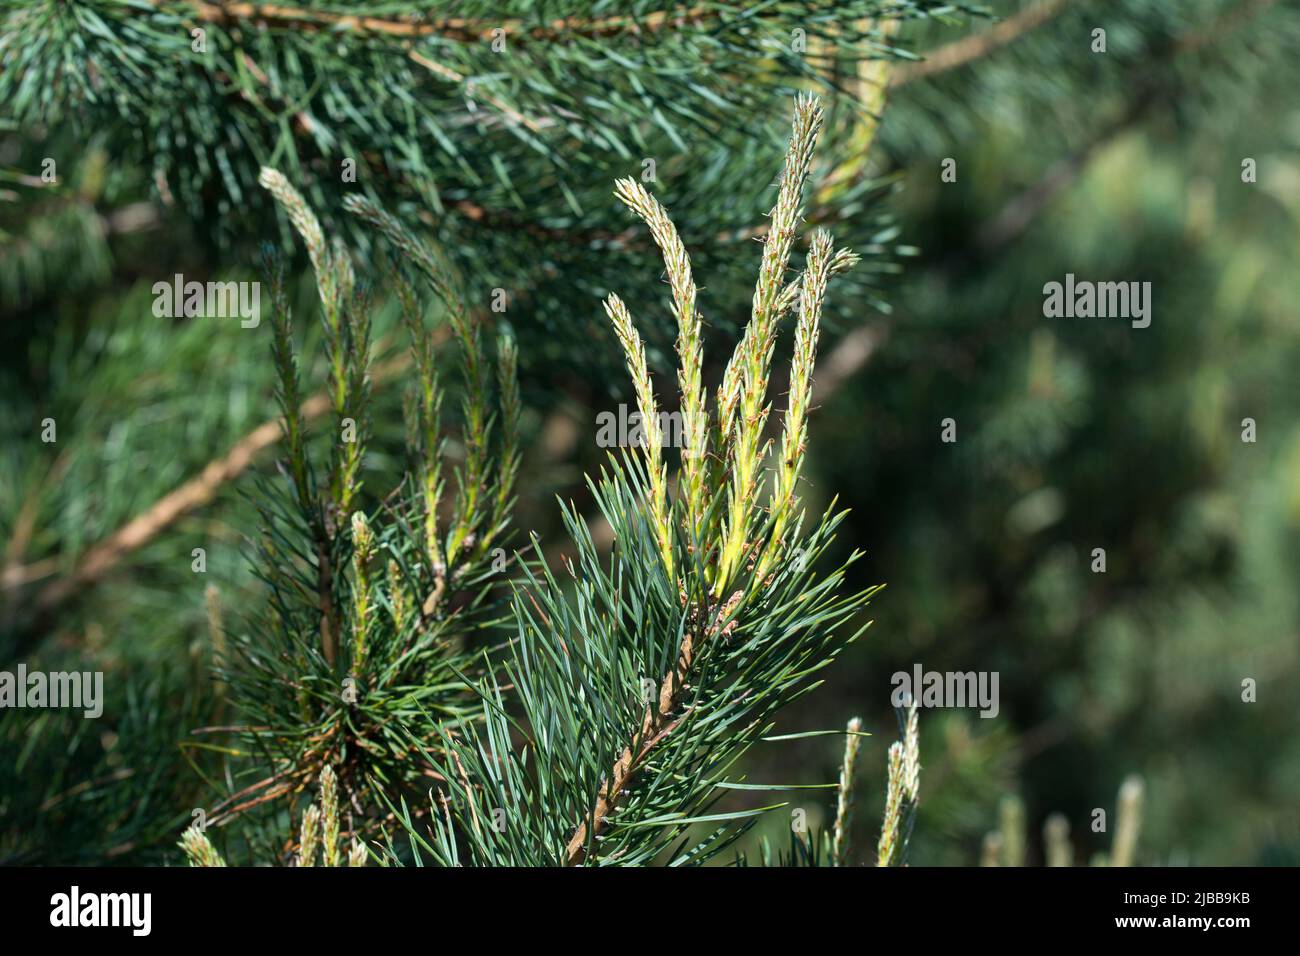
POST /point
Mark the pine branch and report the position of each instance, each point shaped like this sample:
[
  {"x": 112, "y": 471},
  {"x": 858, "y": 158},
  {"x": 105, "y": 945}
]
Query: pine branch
[
  {"x": 1128, "y": 821},
  {"x": 199, "y": 849},
  {"x": 1020, "y": 212},
  {"x": 404, "y": 90},
  {"x": 658, "y": 722},
  {"x": 977, "y": 46},
  {"x": 360, "y": 679},
  {"x": 1005, "y": 846},
  {"x": 639, "y": 690},
  {"x": 795, "y": 432},
  {"x": 458, "y": 29},
  {"x": 102, "y": 558},
  {"x": 468, "y": 530},
  {"x": 1056, "y": 841}
]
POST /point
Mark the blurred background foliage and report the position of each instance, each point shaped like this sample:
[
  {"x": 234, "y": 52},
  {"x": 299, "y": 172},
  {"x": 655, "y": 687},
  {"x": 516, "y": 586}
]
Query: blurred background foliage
[{"x": 1073, "y": 434}]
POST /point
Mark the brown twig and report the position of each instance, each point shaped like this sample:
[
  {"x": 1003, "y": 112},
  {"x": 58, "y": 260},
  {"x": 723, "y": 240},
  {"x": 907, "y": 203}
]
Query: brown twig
[
  {"x": 325, "y": 596},
  {"x": 656, "y": 725},
  {"x": 507, "y": 111},
  {"x": 1021, "y": 211},
  {"x": 847, "y": 359},
  {"x": 195, "y": 493},
  {"x": 14, "y": 572},
  {"x": 975, "y": 47},
  {"x": 454, "y": 28}
]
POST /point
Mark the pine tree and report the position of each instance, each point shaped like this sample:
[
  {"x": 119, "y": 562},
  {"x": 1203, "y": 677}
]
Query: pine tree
[
  {"x": 370, "y": 616},
  {"x": 641, "y": 687},
  {"x": 446, "y": 139},
  {"x": 495, "y": 124},
  {"x": 179, "y": 538}
]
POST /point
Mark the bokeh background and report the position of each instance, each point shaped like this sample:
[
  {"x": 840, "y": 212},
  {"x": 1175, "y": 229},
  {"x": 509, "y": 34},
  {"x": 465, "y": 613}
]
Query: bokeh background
[{"x": 1073, "y": 434}]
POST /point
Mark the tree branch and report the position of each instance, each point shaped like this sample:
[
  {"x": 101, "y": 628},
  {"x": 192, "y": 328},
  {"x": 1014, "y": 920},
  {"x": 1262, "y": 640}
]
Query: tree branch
[
  {"x": 455, "y": 28},
  {"x": 198, "y": 491},
  {"x": 975, "y": 47},
  {"x": 656, "y": 725},
  {"x": 1022, "y": 210}
]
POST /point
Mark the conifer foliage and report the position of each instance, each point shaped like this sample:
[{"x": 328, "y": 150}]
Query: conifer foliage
[
  {"x": 350, "y": 522},
  {"x": 637, "y": 684},
  {"x": 608, "y": 729},
  {"x": 363, "y": 645}
]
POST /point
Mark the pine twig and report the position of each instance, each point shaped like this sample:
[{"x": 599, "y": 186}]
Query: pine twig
[
  {"x": 741, "y": 410},
  {"x": 103, "y": 557},
  {"x": 1128, "y": 822},
  {"x": 653, "y": 727},
  {"x": 1056, "y": 841},
  {"x": 1012, "y": 828},
  {"x": 656, "y": 725},
  {"x": 690, "y": 345},
  {"x": 199, "y": 849},
  {"x": 904, "y": 763},
  {"x": 459, "y": 29},
  {"x": 968, "y": 49},
  {"x": 844, "y": 805},
  {"x": 652, "y": 436}
]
